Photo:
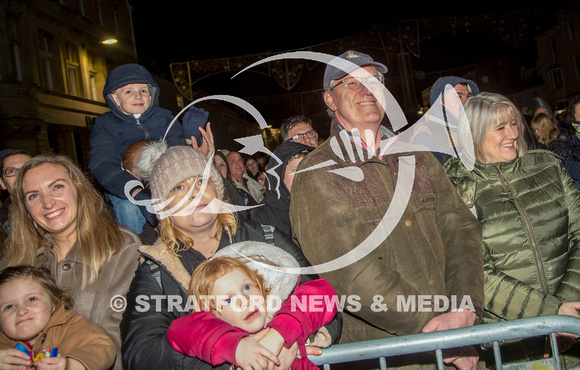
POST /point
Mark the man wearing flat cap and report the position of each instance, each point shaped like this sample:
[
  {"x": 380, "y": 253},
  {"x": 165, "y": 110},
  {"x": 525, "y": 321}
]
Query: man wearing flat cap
[{"x": 340, "y": 196}]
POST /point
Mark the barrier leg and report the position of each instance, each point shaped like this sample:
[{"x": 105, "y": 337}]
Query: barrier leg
[{"x": 497, "y": 355}]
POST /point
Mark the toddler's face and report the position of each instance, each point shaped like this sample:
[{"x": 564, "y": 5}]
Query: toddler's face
[
  {"x": 133, "y": 98},
  {"x": 25, "y": 309},
  {"x": 240, "y": 302}
]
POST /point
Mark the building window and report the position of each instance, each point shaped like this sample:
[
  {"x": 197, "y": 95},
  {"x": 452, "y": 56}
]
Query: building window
[
  {"x": 13, "y": 25},
  {"x": 93, "y": 86},
  {"x": 73, "y": 74},
  {"x": 14, "y": 48},
  {"x": 93, "y": 76},
  {"x": 556, "y": 78},
  {"x": 48, "y": 61}
]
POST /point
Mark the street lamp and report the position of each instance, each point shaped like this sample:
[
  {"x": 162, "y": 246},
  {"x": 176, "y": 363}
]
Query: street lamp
[{"x": 109, "y": 41}]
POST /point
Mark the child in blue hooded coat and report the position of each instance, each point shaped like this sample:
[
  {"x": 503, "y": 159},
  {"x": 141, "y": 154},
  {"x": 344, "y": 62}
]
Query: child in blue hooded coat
[{"x": 132, "y": 96}]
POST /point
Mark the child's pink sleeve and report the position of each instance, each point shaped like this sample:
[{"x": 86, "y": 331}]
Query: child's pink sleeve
[
  {"x": 310, "y": 307},
  {"x": 204, "y": 336}
]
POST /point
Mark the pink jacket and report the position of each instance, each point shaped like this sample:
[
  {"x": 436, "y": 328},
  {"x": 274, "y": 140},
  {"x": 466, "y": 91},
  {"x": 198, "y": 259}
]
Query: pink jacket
[{"x": 204, "y": 336}]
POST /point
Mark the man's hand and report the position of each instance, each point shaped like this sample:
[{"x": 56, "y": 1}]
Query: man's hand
[
  {"x": 465, "y": 357},
  {"x": 451, "y": 320}
]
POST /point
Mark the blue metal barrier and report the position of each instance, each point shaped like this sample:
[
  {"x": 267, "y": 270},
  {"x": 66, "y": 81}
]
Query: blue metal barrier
[{"x": 494, "y": 333}]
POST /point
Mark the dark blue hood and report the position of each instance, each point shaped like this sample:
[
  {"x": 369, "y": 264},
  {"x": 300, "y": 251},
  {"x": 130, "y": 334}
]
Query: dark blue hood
[
  {"x": 278, "y": 162},
  {"x": 439, "y": 86},
  {"x": 125, "y": 75}
]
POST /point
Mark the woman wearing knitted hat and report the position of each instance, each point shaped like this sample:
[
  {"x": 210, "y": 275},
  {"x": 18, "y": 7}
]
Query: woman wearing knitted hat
[{"x": 195, "y": 223}]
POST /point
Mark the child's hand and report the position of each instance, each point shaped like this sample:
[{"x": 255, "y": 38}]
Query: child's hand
[
  {"x": 272, "y": 340},
  {"x": 14, "y": 359},
  {"x": 58, "y": 363},
  {"x": 252, "y": 356},
  {"x": 207, "y": 146},
  {"x": 287, "y": 356}
]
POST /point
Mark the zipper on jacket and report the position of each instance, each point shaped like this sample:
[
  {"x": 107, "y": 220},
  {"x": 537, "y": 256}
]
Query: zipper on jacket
[
  {"x": 531, "y": 237},
  {"x": 141, "y": 127}
]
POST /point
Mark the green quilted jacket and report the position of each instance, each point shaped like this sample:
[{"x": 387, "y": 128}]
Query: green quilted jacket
[{"x": 530, "y": 217}]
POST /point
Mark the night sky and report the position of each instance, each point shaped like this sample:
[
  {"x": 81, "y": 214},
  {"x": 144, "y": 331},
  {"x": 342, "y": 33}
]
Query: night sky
[
  {"x": 178, "y": 31},
  {"x": 175, "y": 33}
]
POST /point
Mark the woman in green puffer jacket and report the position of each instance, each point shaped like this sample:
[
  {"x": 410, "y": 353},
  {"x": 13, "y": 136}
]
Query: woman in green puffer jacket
[{"x": 529, "y": 209}]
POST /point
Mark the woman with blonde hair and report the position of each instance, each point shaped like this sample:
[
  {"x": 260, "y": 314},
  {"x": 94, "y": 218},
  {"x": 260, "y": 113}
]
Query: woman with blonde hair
[
  {"x": 529, "y": 210},
  {"x": 60, "y": 222},
  {"x": 568, "y": 149},
  {"x": 545, "y": 129},
  {"x": 195, "y": 223}
]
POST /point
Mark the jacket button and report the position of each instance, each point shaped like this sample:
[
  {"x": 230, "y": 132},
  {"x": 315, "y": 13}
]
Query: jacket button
[
  {"x": 432, "y": 282},
  {"x": 408, "y": 222},
  {"x": 66, "y": 266}
]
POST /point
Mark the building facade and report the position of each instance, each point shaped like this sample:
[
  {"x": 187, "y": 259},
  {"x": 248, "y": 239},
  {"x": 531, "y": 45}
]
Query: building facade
[{"x": 53, "y": 68}]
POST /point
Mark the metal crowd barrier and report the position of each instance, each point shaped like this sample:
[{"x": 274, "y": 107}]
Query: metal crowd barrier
[{"x": 382, "y": 349}]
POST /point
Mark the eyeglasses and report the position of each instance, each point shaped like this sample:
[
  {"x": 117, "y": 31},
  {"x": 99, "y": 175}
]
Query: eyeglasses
[
  {"x": 300, "y": 137},
  {"x": 10, "y": 172},
  {"x": 353, "y": 83}
]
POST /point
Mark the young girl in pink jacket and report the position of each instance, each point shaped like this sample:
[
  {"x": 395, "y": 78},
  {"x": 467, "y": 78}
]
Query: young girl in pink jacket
[{"x": 236, "y": 296}]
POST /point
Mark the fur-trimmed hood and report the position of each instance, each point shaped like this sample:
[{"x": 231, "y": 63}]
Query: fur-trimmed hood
[
  {"x": 258, "y": 255},
  {"x": 159, "y": 253}
]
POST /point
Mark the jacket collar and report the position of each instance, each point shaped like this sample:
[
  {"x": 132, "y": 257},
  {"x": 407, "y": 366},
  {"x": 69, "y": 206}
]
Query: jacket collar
[
  {"x": 73, "y": 255},
  {"x": 161, "y": 255},
  {"x": 494, "y": 169},
  {"x": 351, "y": 148}
]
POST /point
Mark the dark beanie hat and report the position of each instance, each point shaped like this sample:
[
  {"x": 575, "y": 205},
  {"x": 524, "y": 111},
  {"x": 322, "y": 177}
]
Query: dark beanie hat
[{"x": 439, "y": 86}]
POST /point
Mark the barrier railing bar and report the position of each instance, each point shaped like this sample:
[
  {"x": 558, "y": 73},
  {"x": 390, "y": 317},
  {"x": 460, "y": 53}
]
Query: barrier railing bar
[
  {"x": 383, "y": 363},
  {"x": 497, "y": 355},
  {"x": 439, "y": 355},
  {"x": 555, "y": 351},
  {"x": 428, "y": 342}
]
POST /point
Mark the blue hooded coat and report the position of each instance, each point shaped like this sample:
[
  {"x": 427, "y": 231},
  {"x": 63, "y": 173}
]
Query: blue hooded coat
[{"x": 115, "y": 131}]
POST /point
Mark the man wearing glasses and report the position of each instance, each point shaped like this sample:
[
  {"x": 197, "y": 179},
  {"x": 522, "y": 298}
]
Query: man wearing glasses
[
  {"x": 433, "y": 250},
  {"x": 299, "y": 129},
  {"x": 10, "y": 164}
]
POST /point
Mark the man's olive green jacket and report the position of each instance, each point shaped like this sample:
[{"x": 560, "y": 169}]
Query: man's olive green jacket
[{"x": 430, "y": 251}]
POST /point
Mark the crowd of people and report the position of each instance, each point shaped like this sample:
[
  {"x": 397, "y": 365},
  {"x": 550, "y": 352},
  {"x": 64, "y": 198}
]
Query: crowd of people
[{"x": 163, "y": 267}]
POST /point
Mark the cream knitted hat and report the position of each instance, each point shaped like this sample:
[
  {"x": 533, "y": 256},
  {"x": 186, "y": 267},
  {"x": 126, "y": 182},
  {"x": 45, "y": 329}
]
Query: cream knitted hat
[
  {"x": 258, "y": 256},
  {"x": 177, "y": 164}
]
